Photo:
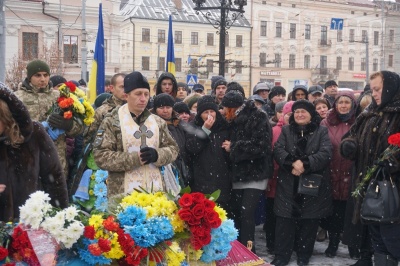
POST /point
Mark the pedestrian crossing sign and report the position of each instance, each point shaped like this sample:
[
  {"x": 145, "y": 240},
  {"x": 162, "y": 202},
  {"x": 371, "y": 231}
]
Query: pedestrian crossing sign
[{"x": 191, "y": 80}]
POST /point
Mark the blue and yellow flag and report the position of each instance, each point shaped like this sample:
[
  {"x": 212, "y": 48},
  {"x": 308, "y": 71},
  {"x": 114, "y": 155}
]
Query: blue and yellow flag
[
  {"x": 97, "y": 73},
  {"x": 170, "y": 52}
]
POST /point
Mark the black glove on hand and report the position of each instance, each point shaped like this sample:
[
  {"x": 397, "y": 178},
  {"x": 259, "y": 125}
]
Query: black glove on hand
[
  {"x": 148, "y": 155},
  {"x": 391, "y": 165},
  {"x": 58, "y": 121},
  {"x": 348, "y": 149}
]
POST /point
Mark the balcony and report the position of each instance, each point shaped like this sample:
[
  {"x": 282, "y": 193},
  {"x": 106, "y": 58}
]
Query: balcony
[
  {"x": 324, "y": 73},
  {"x": 324, "y": 43}
]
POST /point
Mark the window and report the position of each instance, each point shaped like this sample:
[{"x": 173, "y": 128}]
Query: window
[
  {"x": 323, "y": 64},
  {"x": 339, "y": 36},
  {"x": 292, "y": 61},
  {"x": 375, "y": 65},
  {"x": 145, "y": 63},
  {"x": 307, "y": 63},
  {"x": 351, "y": 63},
  {"x": 178, "y": 64},
  {"x": 278, "y": 30},
  {"x": 227, "y": 41},
  {"x": 161, "y": 64},
  {"x": 194, "y": 66},
  {"x": 263, "y": 28},
  {"x": 210, "y": 39},
  {"x": 226, "y": 69},
  {"x": 363, "y": 64},
  {"x": 263, "y": 59},
  {"x": 239, "y": 67},
  {"x": 278, "y": 60},
  {"x": 324, "y": 35},
  {"x": 307, "y": 33},
  {"x": 70, "y": 49},
  {"x": 194, "y": 38},
  {"x": 239, "y": 41},
  {"x": 364, "y": 36},
  {"x": 30, "y": 45},
  {"x": 390, "y": 63},
  {"x": 292, "y": 31},
  {"x": 178, "y": 37},
  {"x": 376, "y": 37},
  {"x": 351, "y": 35},
  {"x": 145, "y": 35},
  {"x": 161, "y": 36},
  {"x": 210, "y": 65},
  {"x": 339, "y": 63},
  {"x": 391, "y": 36}
]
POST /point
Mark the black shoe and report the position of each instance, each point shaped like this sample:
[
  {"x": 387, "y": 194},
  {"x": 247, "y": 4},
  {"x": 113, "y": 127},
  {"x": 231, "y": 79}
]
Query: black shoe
[
  {"x": 279, "y": 262},
  {"x": 330, "y": 252},
  {"x": 363, "y": 262},
  {"x": 302, "y": 261},
  {"x": 354, "y": 253}
]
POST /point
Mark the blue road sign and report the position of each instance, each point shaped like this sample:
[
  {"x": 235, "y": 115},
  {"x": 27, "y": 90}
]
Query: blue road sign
[
  {"x": 337, "y": 24},
  {"x": 191, "y": 80}
]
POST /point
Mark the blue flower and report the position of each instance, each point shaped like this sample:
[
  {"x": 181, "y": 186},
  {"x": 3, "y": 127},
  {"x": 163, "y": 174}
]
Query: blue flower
[
  {"x": 101, "y": 204},
  {"x": 101, "y": 176},
  {"x": 141, "y": 235},
  {"x": 86, "y": 256},
  {"x": 131, "y": 216},
  {"x": 100, "y": 189}
]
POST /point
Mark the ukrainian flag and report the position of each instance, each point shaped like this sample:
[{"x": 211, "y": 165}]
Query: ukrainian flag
[
  {"x": 170, "y": 67},
  {"x": 97, "y": 73}
]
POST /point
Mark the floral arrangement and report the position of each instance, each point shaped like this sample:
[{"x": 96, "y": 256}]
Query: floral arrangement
[
  {"x": 72, "y": 102},
  {"x": 392, "y": 150},
  {"x": 6, "y": 230},
  {"x": 96, "y": 196}
]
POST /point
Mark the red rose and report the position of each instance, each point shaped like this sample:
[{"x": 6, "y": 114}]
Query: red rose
[
  {"x": 198, "y": 211},
  {"x": 198, "y": 197},
  {"x": 394, "y": 139},
  {"x": 89, "y": 232},
  {"x": 185, "y": 214},
  {"x": 200, "y": 230},
  {"x": 194, "y": 221},
  {"x": 206, "y": 239},
  {"x": 196, "y": 243},
  {"x": 209, "y": 204},
  {"x": 94, "y": 249},
  {"x": 216, "y": 223},
  {"x": 210, "y": 215},
  {"x": 186, "y": 200},
  {"x": 104, "y": 244},
  {"x": 3, "y": 253}
]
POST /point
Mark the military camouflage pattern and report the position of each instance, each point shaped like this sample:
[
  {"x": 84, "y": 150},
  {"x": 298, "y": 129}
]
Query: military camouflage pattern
[
  {"x": 109, "y": 152},
  {"x": 107, "y": 106},
  {"x": 38, "y": 102}
]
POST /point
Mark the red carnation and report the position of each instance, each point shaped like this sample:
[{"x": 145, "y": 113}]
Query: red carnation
[
  {"x": 71, "y": 86},
  {"x": 89, "y": 232},
  {"x": 3, "y": 253},
  {"x": 198, "y": 211},
  {"x": 394, "y": 139},
  {"x": 104, "y": 244},
  {"x": 95, "y": 250},
  {"x": 185, "y": 214},
  {"x": 186, "y": 200},
  {"x": 110, "y": 224}
]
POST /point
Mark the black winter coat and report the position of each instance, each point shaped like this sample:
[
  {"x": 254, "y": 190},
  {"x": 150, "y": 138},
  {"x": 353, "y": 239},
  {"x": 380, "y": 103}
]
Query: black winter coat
[
  {"x": 32, "y": 166},
  {"x": 251, "y": 145},
  {"x": 316, "y": 156}
]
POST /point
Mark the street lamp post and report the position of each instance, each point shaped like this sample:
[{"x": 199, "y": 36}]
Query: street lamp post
[{"x": 222, "y": 24}]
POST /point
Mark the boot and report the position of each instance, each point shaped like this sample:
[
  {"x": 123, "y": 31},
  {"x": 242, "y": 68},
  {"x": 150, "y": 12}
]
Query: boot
[
  {"x": 354, "y": 252},
  {"x": 384, "y": 260},
  {"x": 363, "y": 262},
  {"x": 334, "y": 240}
]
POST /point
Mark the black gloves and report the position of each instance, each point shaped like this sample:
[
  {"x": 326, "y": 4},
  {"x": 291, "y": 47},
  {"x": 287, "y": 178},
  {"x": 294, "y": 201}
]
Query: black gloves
[
  {"x": 348, "y": 149},
  {"x": 58, "y": 121},
  {"x": 391, "y": 165},
  {"x": 148, "y": 155}
]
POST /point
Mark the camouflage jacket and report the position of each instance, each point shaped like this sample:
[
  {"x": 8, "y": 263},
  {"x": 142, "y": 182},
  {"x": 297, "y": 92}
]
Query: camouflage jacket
[
  {"x": 107, "y": 106},
  {"x": 38, "y": 103},
  {"x": 109, "y": 153}
]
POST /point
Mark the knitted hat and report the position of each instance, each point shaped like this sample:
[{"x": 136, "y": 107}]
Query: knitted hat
[
  {"x": 101, "y": 98},
  {"x": 330, "y": 83},
  {"x": 234, "y": 86},
  {"x": 36, "y": 66},
  {"x": 261, "y": 87},
  {"x": 232, "y": 99},
  {"x": 56, "y": 80},
  {"x": 198, "y": 87},
  {"x": 277, "y": 90},
  {"x": 181, "y": 107},
  {"x": 257, "y": 98},
  {"x": 191, "y": 100},
  {"x": 206, "y": 102},
  {"x": 163, "y": 99},
  {"x": 279, "y": 106},
  {"x": 287, "y": 108},
  {"x": 135, "y": 80},
  {"x": 216, "y": 81},
  {"x": 306, "y": 105},
  {"x": 315, "y": 89}
]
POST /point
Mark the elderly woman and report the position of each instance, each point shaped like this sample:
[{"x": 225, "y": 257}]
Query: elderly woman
[
  {"x": 303, "y": 148},
  {"x": 28, "y": 159},
  {"x": 338, "y": 121}
]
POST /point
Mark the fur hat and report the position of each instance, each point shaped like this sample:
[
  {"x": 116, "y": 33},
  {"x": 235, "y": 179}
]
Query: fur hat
[
  {"x": 56, "y": 80},
  {"x": 232, "y": 99},
  {"x": 206, "y": 102},
  {"x": 36, "y": 66},
  {"x": 216, "y": 81},
  {"x": 163, "y": 99},
  {"x": 181, "y": 107},
  {"x": 276, "y": 90},
  {"x": 330, "y": 83},
  {"x": 135, "y": 80}
]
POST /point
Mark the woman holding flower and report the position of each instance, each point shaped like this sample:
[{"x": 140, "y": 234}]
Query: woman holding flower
[{"x": 365, "y": 143}]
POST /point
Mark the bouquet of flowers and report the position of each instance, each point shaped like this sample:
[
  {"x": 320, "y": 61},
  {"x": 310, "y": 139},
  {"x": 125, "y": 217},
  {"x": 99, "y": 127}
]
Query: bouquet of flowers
[
  {"x": 391, "y": 151},
  {"x": 5, "y": 237}
]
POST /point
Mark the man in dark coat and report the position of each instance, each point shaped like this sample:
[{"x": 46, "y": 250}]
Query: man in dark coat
[{"x": 29, "y": 164}]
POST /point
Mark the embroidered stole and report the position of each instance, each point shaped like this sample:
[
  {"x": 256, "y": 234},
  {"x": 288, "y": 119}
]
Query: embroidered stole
[{"x": 145, "y": 176}]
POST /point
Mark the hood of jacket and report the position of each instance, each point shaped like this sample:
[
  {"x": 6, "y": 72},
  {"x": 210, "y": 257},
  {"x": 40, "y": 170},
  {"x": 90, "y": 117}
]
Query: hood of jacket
[
  {"x": 163, "y": 76},
  {"x": 333, "y": 115}
]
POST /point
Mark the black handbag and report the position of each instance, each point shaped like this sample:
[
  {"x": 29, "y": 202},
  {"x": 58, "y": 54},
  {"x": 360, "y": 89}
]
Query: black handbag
[
  {"x": 309, "y": 184},
  {"x": 381, "y": 202}
]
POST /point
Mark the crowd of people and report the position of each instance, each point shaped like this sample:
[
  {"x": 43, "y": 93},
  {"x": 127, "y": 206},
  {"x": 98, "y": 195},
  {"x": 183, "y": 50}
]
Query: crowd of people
[{"x": 263, "y": 146}]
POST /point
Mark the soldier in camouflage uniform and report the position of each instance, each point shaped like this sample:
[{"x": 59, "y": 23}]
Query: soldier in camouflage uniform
[
  {"x": 38, "y": 96},
  {"x": 118, "y": 148},
  {"x": 116, "y": 100}
]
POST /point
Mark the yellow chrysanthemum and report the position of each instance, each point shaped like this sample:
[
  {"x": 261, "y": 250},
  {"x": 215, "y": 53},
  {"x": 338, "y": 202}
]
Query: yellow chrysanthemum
[
  {"x": 88, "y": 121},
  {"x": 194, "y": 255},
  {"x": 221, "y": 213},
  {"x": 174, "y": 255},
  {"x": 78, "y": 106},
  {"x": 116, "y": 251},
  {"x": 80, "y": 93},
  {"x": 96, "y": 221},
  {"x": 177, "y": 223}
]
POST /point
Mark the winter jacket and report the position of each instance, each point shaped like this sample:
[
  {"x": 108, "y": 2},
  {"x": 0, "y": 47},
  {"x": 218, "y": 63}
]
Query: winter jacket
[
  {"x": 314, "y": 149},
  {"x": 31, "y": 166}
]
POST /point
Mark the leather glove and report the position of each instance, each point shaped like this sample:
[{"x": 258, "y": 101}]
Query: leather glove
[
  {"x": 391, "y": 165},
  {"x": 348, "y": 149},
  {"x": 148, "y": 155},
  {"x": 58, "y": 121}
]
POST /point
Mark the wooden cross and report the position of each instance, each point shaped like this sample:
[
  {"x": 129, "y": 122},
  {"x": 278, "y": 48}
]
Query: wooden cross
[{"x": 142, "y": 134}]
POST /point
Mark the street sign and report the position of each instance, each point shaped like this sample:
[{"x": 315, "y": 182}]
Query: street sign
[
  {"x": 191, "y": 80},
  {"x": 337, "y": 24}
]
